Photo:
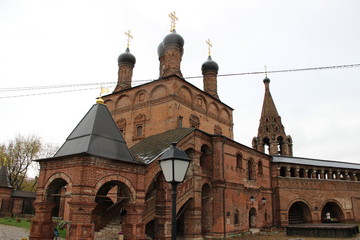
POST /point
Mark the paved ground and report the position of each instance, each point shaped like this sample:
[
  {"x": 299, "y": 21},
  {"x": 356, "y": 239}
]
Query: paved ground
[
  {"x": 15, "y": 233},
  {"x": 12, "y": 233},
  {"x": 282, "y": 236}
]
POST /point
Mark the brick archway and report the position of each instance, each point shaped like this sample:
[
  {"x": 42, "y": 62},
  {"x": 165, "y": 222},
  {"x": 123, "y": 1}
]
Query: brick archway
[
  {"x": 334, "y": 209},
  {"x": 252, "y": 218},
  {"x": 299, "y": 212},
  {"x": 185, "y": 225},
  {"x": 51, "y": 179},
  {"x": 118, "y": 178}
]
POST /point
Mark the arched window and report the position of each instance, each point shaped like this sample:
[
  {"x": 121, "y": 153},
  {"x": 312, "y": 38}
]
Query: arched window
[
  {"x": 139, "y": 131},
  {"x": 302, "y": 173},
  {"x": 280, "y": 142},
  {"x": 250, "y": 168},
  {"x": 205, "y": 158},
  {"x": 260, "y": 168},
  {"x": 266, "y": 142},
  {"x": 310, "y": 173},
  {"x": 283, "y": 171},
  {"x": 327, "y": 175},
  {"x": 239, "y": 159},
  {"x": 318, "y": 174},
  {"x": 236, "y": 217},
  {"x": 292, "y": 172}
]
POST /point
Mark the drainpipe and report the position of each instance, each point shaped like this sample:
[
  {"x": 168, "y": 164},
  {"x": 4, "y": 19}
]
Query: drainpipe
[{"x": 223, "y": 175}]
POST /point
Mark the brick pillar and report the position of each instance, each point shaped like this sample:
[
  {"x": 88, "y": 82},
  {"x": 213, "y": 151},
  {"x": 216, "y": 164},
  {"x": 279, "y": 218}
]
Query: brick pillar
[
  {"x": 273, "y": 148},
  {"x": 133, "y": 226},
  {"x": 42, "y": 226},
  {"x": 218, "y": 208},
  {"x": 82, "y": 227},
  {"x": 192, "y": 216}
]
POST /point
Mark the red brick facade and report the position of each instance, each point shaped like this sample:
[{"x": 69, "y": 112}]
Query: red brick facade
[{"x": 229, "y": 188}]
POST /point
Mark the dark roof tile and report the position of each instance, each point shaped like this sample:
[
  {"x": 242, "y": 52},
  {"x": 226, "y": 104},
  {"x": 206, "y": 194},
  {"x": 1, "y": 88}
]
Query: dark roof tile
[
  {"x": 150, "y": 148},
  {"x": 97, "y": 134}
]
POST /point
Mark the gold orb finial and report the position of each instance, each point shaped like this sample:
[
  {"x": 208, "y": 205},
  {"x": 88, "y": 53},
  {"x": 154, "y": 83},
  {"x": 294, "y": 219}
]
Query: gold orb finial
[
  {"x": 102, "y": 91},
  {"x": 99, "y": 100}
]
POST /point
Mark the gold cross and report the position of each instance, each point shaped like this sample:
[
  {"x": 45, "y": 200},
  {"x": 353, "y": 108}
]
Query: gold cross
[
  {"x": 265, "y": 71},
  {"x": 209, "y": 46},
  {"x": 173, "y": 20},
  {"x": 129, "y": 36}
]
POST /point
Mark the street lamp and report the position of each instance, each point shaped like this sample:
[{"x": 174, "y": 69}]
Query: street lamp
[{"x": 174, "y": 164}]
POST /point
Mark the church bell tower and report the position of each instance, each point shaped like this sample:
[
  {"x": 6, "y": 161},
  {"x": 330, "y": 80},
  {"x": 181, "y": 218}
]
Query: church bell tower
[{"x": 271, "y": 132}]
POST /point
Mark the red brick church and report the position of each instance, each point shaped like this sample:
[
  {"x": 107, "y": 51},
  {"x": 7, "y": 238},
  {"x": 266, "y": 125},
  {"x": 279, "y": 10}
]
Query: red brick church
[{"x": 109, "y": 163}]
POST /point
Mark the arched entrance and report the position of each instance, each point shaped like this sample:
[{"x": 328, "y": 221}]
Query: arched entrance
[
  {"x": 150, "y": 229},
  {"x": 252, "y": 218},
  {"x": 206, "y": 209},
  {"x": 299, "y": 212},
  {"x": 111, "y": 200},
  {"x": 154, "y": 211},
  {"x": 182, "y": 218},
  {"x": 331, "y": 212},
  {"x": 56, "y": 194}
]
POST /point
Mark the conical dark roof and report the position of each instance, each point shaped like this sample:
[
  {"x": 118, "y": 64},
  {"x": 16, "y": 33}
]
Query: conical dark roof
[
  {"x": 4, "y": 177},
  {"x": 269, "y": 108},
  {"x": 97, "y": 134}
]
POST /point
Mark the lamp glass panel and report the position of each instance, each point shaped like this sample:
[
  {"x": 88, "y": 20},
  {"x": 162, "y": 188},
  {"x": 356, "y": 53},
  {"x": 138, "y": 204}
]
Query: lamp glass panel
[
  {"x": 181, "y": 167},
  {"x": 166, "y": 167}
]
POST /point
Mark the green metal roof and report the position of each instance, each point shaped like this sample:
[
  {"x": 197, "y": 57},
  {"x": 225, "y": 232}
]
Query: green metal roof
[{"x": 152, "y": 147}]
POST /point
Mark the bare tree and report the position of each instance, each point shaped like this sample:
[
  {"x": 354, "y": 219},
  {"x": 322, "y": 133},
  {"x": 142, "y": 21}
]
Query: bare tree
[{"x": 18, "y": 154}]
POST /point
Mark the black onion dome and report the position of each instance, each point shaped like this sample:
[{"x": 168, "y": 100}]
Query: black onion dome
[
  {"x": 161, "y": 50},
  {"x": 210, "y": 65},
  {"x": 266, "y": 80},
  {"x": 173, "y": 39},
  {"x": 127, "y": 57}
]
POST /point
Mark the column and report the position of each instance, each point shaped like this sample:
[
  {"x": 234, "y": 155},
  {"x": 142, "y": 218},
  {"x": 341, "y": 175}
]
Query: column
[
  {"x": 133, "y": 226},
  {"x": 42, "y": 226},
  {"x": 82, "y": 227}
]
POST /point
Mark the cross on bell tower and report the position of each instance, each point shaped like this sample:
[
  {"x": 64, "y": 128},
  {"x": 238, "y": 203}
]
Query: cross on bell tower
[
  {"x": 173, "y": 19},
  {"x": 129, "y": 37},
  {"x": 209, "y": 46}
]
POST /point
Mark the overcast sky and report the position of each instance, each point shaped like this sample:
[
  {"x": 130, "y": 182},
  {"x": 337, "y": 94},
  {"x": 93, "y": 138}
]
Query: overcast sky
[{"x": 49, "y": 43}]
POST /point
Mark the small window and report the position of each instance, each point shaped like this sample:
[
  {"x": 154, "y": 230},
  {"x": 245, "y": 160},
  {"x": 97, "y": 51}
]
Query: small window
[
  {"x": 250, "y": 174},
  {"x": 139, "y": 131},
  {"x": 236, "y": 217},
  {"x": 292, "y": 172},
  {"x": 260, "y": 168},
  {"x": 122, "y": 131},
  {"x": 283, "y": 171},
  {"x": 239, "y": 161}
]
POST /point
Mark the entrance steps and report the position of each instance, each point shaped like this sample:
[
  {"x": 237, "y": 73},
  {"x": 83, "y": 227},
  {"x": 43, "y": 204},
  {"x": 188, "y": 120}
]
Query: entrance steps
[
  {"x": 110, "y": 232},
  {"x": 254, "y": 230}
]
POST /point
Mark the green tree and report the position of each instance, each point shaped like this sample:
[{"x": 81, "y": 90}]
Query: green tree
[{"x": 18, "y": 155}]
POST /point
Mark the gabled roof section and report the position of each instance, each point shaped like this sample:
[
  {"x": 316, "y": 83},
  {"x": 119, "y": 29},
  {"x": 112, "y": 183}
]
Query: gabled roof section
[
  {"x": 97, "y": 134},
  {"x": 4, "y": 178},
  {"x": 315, "y": 162},
  {"x": 150, "y": 148}
]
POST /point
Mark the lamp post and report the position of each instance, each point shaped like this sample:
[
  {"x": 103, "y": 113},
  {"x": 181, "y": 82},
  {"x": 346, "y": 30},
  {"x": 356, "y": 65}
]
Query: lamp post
[{"x": 174, "y": 164}]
